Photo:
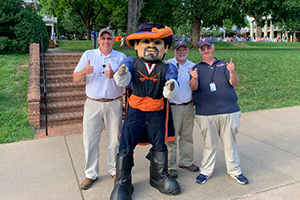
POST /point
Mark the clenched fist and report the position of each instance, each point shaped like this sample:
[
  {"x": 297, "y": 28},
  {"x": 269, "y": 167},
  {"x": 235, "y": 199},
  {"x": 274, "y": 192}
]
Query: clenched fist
[
  {"x": 170, "y": 85},
  {"x": 122, "y": 69}
]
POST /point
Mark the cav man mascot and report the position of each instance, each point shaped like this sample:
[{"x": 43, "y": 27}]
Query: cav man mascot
[{"x": 152, "y": 82}]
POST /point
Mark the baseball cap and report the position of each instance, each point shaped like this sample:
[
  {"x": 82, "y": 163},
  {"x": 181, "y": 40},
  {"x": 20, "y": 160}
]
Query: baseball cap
[
  {"x": 205, "y": 41},
  {"x": 106, "y": 30},
  {"x": 180, "y": 44}
]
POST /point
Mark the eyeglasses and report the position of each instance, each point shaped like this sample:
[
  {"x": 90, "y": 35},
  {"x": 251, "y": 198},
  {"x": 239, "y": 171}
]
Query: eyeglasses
[
  {"x": 108, "y": 38},
  {"x": 208, "y": 48}
]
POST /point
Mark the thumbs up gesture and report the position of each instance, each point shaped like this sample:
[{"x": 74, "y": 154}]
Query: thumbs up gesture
[
  {"x": 194, "y": 73},
  {"x": 109, "y": 73},
  {"x": 89, "y": 69}
]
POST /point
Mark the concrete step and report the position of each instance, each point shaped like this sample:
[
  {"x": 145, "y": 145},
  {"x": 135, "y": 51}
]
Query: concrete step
[
  {"x": 59, "y": 119},
  {"x": 63, "y": 107}
]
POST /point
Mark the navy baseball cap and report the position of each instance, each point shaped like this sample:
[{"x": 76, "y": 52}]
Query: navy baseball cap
[
  {"x": 180, "y": 44},
  {"x": 205, "y": 41}
]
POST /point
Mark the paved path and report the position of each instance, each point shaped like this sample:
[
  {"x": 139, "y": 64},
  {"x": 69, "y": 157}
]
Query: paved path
[{"x": 269, "y": 149}]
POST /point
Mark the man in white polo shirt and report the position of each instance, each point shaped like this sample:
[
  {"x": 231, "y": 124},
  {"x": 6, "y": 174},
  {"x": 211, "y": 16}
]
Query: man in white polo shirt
[
  {"x": 103, "y": 105},
  {"x": 182, "y": 113}
]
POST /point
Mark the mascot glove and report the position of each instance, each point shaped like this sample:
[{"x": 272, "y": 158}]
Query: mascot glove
[
  {"x": 170, "y": 89},
  {"x": 122, "y": 70}
]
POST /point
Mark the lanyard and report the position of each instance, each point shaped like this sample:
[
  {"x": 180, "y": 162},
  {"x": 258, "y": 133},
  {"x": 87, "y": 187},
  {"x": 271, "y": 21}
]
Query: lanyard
[{"x": 213, "y": 74}]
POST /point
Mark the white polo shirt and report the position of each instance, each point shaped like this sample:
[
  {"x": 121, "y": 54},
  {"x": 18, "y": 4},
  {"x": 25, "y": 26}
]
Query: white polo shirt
[
  {"x": 97, "y": 86},
  {"x": 184, "y": 93}
]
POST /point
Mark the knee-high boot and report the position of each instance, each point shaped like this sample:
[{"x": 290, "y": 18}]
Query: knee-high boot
[
  {"x": 159, "y": 177},
  {"x": 123, "y": 187}
]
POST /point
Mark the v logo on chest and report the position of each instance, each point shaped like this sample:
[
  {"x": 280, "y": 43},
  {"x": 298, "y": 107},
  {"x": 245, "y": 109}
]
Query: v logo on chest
[{"x": 149, "y": 69}]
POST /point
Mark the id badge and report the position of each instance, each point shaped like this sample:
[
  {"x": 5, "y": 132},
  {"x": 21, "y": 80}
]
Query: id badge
[
  {"x": 212, "y": 87},
  {"x": 102, "y": 75}
]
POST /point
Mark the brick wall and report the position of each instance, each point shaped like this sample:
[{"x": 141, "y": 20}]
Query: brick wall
[{"x": 33, "y": 95}]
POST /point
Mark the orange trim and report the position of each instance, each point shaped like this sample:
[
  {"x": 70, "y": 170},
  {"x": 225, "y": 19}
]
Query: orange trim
[
  {"x": 154, "y": 34},
  {"x": 146, "y": 103},
  {"x": 168, "y": 138},
  {"x": 148, "y": 78}
]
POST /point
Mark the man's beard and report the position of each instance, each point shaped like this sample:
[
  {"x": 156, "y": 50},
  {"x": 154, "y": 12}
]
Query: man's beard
[{"x": 150, "y": 56}]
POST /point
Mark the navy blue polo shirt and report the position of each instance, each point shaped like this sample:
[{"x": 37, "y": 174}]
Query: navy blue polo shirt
[{"x": 221, "y": 101}]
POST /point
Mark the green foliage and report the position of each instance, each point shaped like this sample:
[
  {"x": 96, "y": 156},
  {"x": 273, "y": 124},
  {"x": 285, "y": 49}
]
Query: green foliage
[
  {"x": 72, "y": 23},
  {"x": 14, "y": 123},
  {"x": 19, "y": 27}
]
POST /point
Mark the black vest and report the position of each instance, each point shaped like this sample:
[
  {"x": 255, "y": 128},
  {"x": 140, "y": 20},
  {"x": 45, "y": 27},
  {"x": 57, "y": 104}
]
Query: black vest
[{"x": 148, "y": 78}]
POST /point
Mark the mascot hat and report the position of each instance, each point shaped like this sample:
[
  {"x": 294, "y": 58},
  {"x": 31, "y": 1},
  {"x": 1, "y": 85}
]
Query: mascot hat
[{"x": 151, "y": 31}]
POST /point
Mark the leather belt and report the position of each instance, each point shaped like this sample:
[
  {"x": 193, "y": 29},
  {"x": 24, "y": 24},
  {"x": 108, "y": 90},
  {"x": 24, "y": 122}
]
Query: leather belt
[
  {"x": 102, "y": 100},
  {"x": 182, "y": 104}
]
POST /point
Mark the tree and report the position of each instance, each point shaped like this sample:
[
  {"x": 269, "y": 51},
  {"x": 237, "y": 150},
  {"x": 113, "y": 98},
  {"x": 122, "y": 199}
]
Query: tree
[
  {"x": 134, "y": 9},
  {"x": 205, "y": 13},
  {"x": 87, "y": 10},
  {"x": 19, "y": 26}
]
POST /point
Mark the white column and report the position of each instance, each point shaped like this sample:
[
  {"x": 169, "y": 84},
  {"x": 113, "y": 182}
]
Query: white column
[
  {"x": 251, "y": 28},
  {"x": 271, "y": 31},
  {"x": 266, "y": 29},
  {"x": 52, "y": 31}
]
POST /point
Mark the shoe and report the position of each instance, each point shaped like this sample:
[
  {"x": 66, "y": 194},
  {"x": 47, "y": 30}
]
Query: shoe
[
  {"x": 114, "y": 177},
  {"x": 173, "y": 173},
  {"x": 201, "y": 178},
  {"x": 87, "y": 183},
  {"x": 191, "y": 168},
  {"x": 241, "y": 179}
]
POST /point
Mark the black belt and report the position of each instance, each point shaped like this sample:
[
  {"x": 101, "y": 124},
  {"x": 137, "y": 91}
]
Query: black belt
[
  {"x": 102, "y": 100},
  {"x": 182, "y": 104}
]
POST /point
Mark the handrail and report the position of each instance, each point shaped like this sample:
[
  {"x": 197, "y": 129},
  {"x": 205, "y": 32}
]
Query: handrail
[{"x": 44, "y": 78}]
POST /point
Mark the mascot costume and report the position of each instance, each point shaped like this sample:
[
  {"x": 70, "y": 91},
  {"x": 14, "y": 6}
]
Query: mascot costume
[{"x": 152, "y": 82}]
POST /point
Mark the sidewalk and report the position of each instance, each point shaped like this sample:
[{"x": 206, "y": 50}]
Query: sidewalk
[{"x": 52, "y": 168}]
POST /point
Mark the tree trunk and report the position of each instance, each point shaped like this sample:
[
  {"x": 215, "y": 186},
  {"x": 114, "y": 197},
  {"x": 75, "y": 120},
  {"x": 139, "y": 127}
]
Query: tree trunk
[
  {"x": 88, "y": 32},
  {"x": 258, "y": 31},
  {"x": 134, "y": 9},
  {"x": 196, "y": 31}
]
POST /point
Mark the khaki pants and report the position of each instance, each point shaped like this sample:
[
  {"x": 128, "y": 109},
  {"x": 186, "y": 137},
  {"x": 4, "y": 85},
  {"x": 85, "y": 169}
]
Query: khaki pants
[
  {"x": 183, "y": 120},
  {"x": 95, "y": 115},
  {"x": 226, "y": 127}
]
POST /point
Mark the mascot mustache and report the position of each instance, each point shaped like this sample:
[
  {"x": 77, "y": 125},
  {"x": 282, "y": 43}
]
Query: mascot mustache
[{"x": 151, "y": 55}]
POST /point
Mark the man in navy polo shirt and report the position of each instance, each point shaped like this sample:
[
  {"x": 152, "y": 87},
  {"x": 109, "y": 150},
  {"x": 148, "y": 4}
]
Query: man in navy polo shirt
[{"x": 217, "y": 112}]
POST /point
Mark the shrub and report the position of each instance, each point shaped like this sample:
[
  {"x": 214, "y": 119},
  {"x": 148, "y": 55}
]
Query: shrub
[{"x": 20, "y": 26}]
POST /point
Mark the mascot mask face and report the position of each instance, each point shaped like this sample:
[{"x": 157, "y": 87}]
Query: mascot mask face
[
  {"x": 151, "y": 49},
  {"x": 152, "y": 41}
]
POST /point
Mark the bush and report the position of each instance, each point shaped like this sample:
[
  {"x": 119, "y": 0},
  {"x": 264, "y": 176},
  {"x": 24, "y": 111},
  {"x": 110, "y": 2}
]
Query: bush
[{"x": 20, "y": 26}]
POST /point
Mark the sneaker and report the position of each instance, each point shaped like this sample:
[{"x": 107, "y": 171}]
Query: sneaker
[
  {"x": 191, "y": 168},
  {"x": 201, "y": 178},
  {"x": 240, "y": 179},
  {"x": 173, "y": 173}
]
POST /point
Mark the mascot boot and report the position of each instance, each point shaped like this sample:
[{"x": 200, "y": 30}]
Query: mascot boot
[
  {"x": 159, "y": 177},
  {"x": 123, "y": 187}
]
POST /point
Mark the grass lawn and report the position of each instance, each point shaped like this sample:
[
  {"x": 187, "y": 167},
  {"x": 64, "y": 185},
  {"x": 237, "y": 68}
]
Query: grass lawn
[
  {"x": 14, "y": 125},
  {"x": 269, "y": 76},
  {"x": 269, "y": 72}
]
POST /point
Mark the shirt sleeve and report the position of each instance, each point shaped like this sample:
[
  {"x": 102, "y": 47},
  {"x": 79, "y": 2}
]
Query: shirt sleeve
[{"x": 172, "y": 73}]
